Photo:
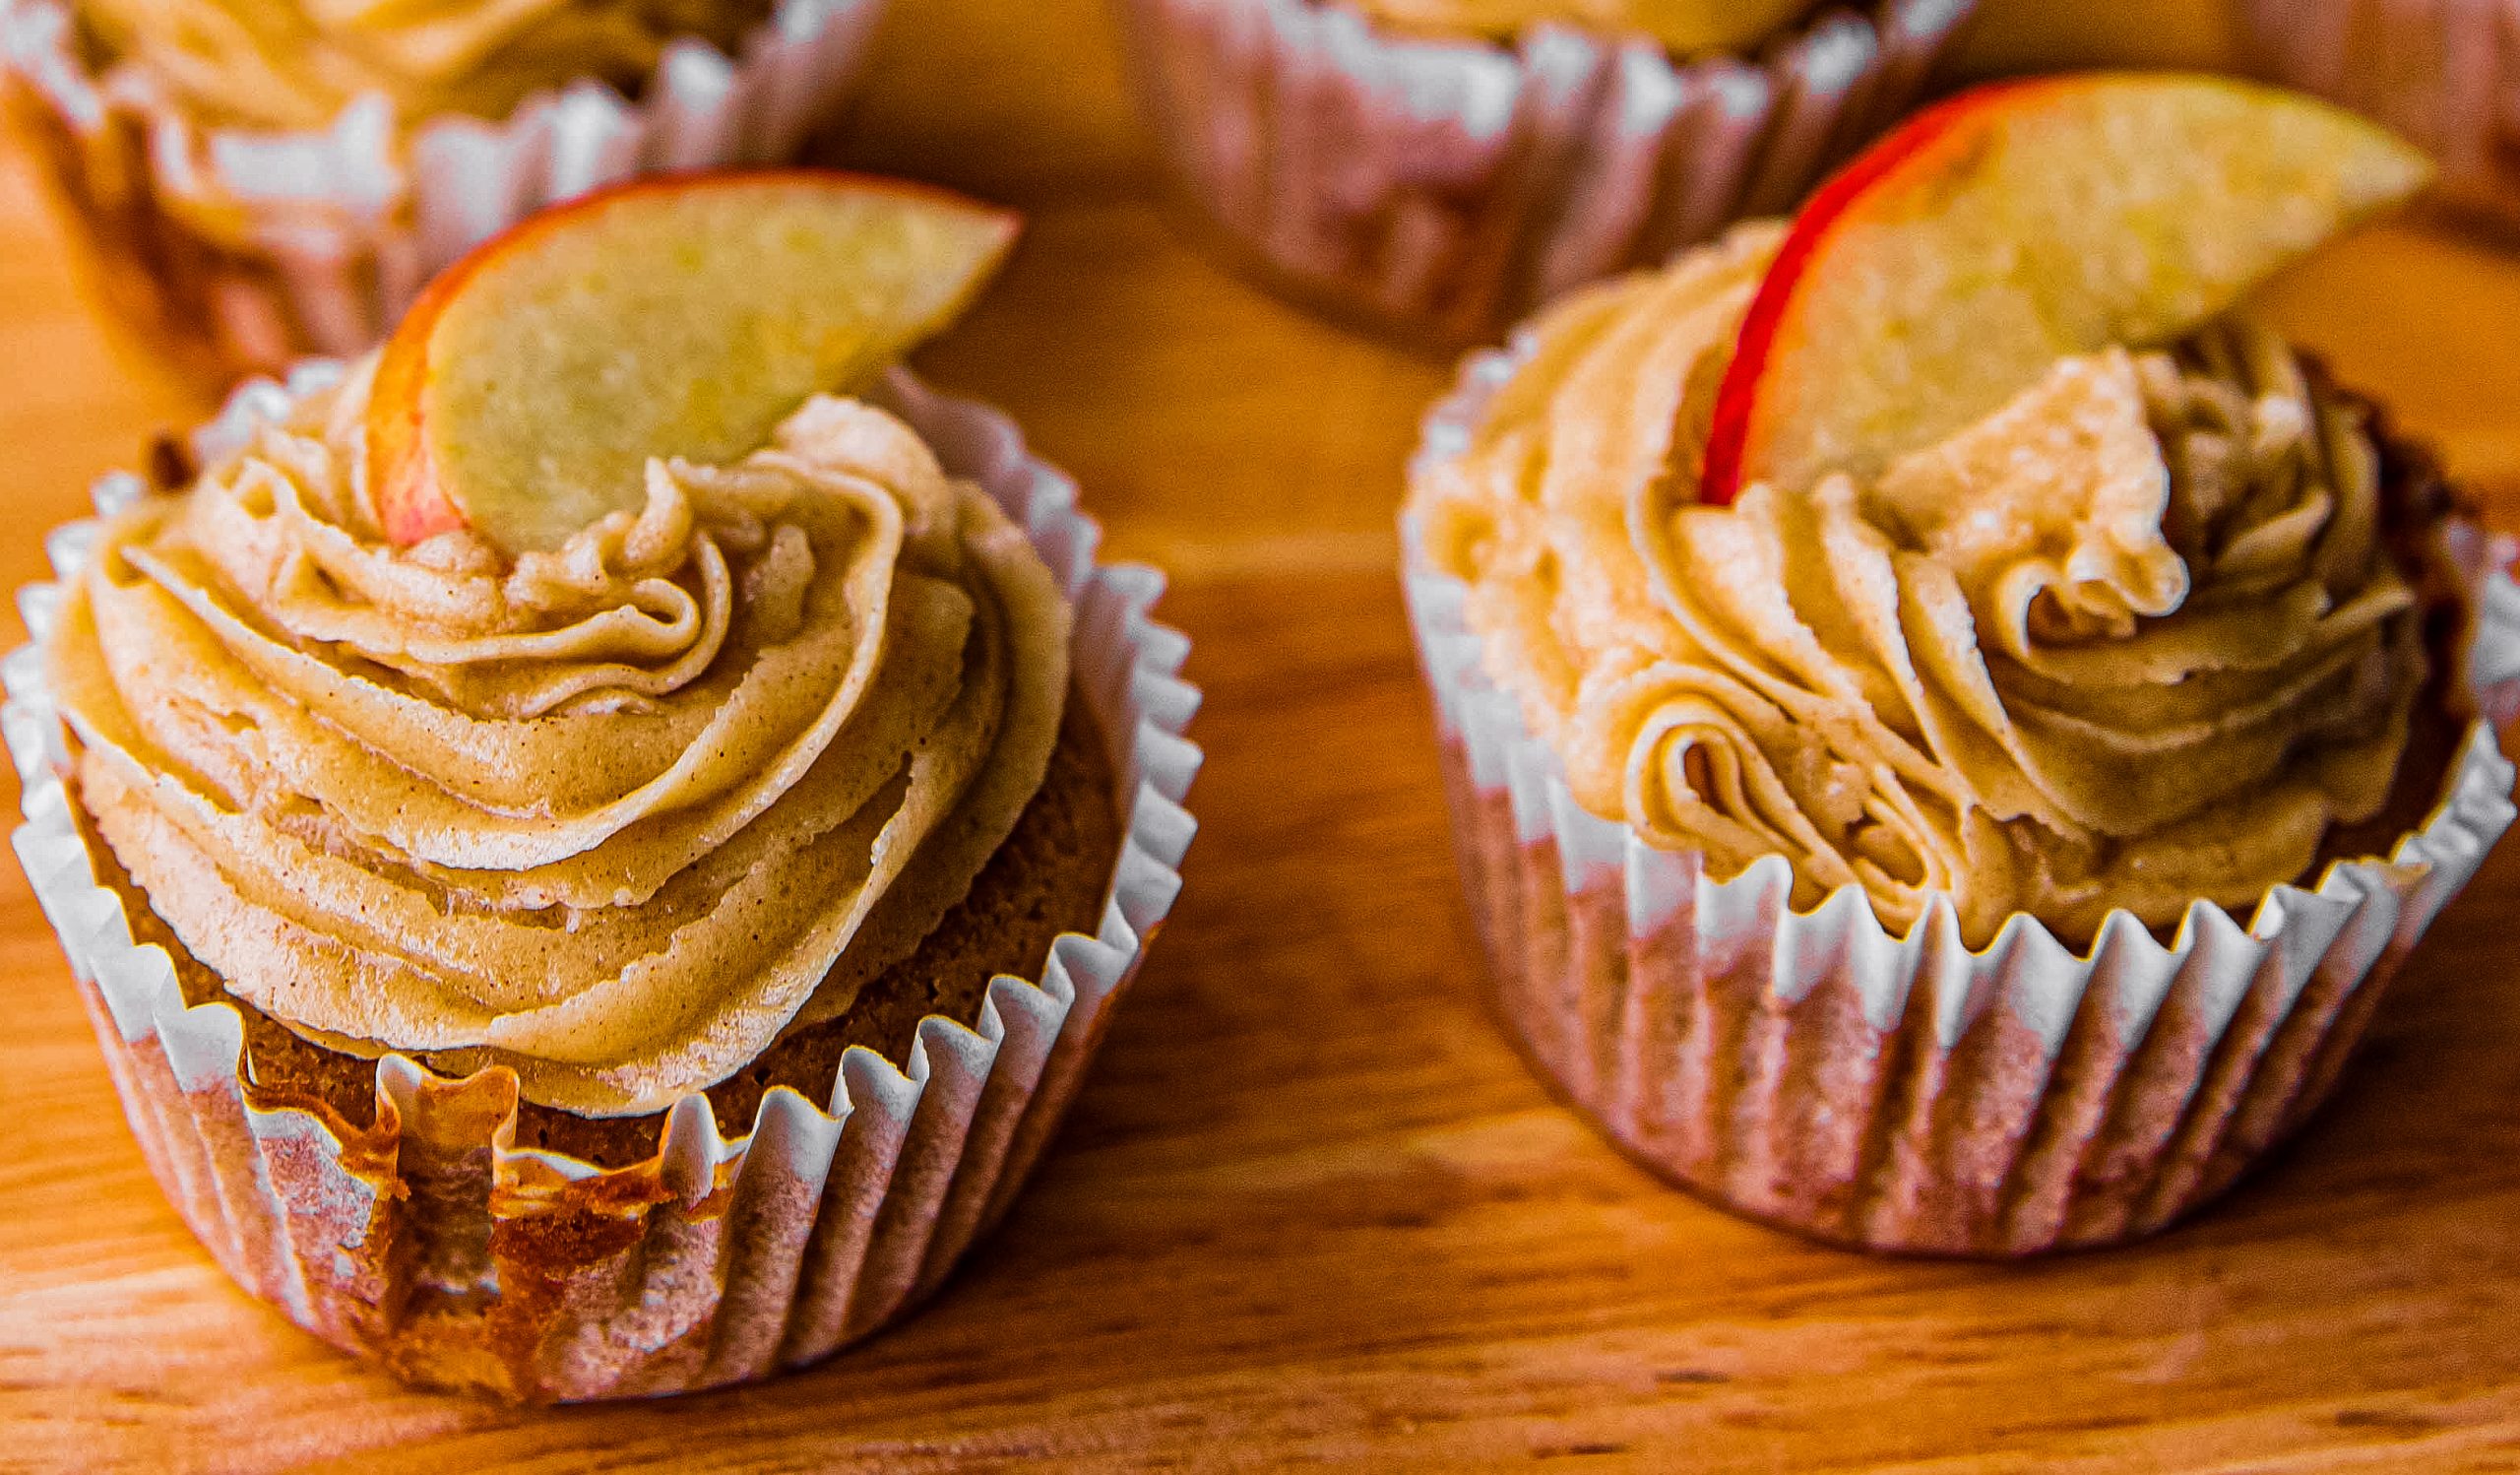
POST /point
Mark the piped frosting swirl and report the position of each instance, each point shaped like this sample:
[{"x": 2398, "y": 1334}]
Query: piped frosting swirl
[
  {"x": 2131, "y": 640},
  {"x": 613, "y": 815}
]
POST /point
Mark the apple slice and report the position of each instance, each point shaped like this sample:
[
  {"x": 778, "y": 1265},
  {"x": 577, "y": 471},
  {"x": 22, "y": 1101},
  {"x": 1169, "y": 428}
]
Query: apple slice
[
  {"x": 1950, "y": 264},
  {"x": 525, "y": 391}
]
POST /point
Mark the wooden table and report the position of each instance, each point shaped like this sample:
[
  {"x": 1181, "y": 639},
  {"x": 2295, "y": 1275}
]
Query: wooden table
[{"x": 1311, "y": 1208}]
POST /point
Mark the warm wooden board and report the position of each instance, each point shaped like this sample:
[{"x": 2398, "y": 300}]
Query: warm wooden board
[{"x": 1311, "y": 1208}]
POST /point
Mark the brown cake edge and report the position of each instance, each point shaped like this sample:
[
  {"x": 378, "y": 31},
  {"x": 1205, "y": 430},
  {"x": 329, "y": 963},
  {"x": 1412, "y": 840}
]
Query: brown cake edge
[
  {"x": 2418, "y": 500},
  {"x": 1051, "y": 876}
]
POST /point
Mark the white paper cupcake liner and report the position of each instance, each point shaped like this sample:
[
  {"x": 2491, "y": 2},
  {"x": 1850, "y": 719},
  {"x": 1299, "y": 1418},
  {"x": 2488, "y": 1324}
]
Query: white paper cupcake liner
[
  {"x": 1909, "y": 1093},
  {"x": 1443, "y": 188},
  {"x": 2444, "y": 73},
  {"x": 248, "y": 251},
  {"x": 717, "y": 1261}
]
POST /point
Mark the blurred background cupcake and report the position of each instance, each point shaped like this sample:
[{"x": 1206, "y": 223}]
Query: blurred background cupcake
[
  {"x": 1440, "y": 167},
  {"x": 261, "y": 179},
  {"x": 2445, "y": 74}
]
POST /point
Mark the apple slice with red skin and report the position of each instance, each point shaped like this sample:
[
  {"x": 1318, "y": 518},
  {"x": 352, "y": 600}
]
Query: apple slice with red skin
[
  {"x": 682, "y": 315},
  {"x": 1953, "y": 262}
]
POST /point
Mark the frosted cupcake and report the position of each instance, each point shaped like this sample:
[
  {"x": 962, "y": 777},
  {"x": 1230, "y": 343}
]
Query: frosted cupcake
[
  {"x": 259, "y": 181},
  {"x": 1440, "y": 168},
  {"x": 490, "y": 829},
  {"x": 1951, "y": 725}
]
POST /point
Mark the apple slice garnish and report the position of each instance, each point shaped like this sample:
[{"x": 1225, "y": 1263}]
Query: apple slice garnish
[
  {"x": 1953, "y": 262},
  {"x": 525, "y": 391}
]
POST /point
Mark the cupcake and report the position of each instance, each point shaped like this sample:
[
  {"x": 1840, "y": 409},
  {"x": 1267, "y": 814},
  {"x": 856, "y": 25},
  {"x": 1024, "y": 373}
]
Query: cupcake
[
  {"x": 2445, "y": 76},
  {"x": 588, "y": 886},
  {"x": 1438, "y": 168},
  {"x": 1951, "y": 725},
  {"x": 254, "y": 182}
]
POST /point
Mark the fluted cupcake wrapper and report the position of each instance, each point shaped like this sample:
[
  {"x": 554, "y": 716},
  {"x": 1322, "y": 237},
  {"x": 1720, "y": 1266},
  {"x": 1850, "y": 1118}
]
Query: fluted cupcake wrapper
[
  {"x": 1817, "y": 1071},
  {"x": 247, "y": 250},
  {"x": 1443, "y": 188},
  {"x": 717, "y": 1261},
  {"x": 2444, "y": 73}
]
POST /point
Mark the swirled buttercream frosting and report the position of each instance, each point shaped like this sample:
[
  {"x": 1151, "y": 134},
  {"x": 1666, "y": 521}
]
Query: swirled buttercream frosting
[
  {"x": 613, "y": 815},
  {"x": 2131, "y": 640},
  {"x": 1686, "y": 27},
  {"x": 290, "y": 64}
]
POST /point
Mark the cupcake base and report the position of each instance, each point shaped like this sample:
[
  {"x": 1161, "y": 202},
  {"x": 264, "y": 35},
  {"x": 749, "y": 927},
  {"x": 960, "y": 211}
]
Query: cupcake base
[
  {"x": 430, "y": 1241},
  {"x": 1700, "y": 1064}
]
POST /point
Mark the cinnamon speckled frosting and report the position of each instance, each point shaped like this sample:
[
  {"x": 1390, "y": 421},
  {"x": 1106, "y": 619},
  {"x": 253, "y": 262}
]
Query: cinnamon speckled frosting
[
  {"x": 1686, "y": 27},
  {"x": 284, "y": 64},
  {"x": 615, "y": 815},
  {"x": 2129, "y": 641}
]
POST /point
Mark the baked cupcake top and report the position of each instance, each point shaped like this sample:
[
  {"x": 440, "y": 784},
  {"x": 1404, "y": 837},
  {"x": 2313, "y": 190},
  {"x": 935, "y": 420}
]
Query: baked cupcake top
[
  {"x": 613, "y": 812},
  {"x": 2127, "y": 638},
  {"x": 295, "y": 64},
  {"x": 1687, "y": 27}
]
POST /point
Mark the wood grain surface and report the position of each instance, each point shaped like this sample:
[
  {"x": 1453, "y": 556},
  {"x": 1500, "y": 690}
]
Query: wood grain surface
[{"x": 1310, "y": 1210}]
